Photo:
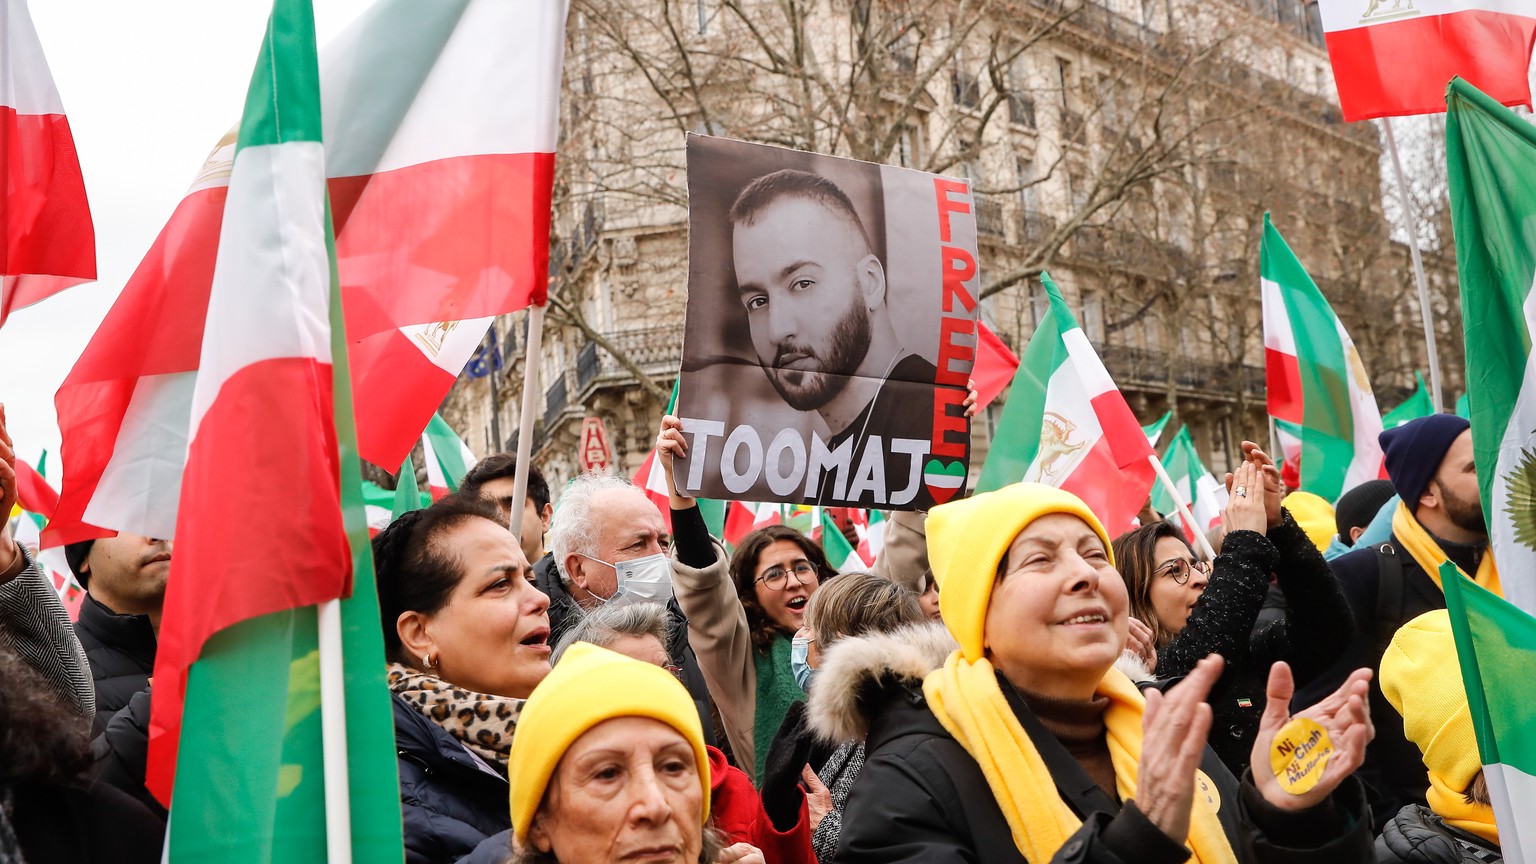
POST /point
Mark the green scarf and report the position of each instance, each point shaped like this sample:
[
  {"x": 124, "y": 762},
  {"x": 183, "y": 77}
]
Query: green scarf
[{"x": 776, "y": 691}]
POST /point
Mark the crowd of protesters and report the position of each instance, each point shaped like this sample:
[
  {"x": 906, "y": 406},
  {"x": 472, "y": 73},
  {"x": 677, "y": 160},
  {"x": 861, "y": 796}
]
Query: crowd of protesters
[{"x": 1007, "y": 682}]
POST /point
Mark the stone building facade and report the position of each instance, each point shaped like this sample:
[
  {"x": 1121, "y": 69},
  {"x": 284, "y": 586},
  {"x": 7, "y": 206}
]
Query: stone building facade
[{"x": 1129, "y": 147}]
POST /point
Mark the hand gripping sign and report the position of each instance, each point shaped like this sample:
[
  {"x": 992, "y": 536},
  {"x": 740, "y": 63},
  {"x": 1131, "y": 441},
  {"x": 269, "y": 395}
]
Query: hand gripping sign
[{"x": 831, "y": 329}]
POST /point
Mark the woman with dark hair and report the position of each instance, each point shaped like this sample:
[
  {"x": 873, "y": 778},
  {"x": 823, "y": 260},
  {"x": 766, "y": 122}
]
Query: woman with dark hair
[
  {"x": 741, "y": 615},
  {"x": 1194, "y": 609},
  {"x": 466, "y": 633},
  {"x": 49, "y": 811}
]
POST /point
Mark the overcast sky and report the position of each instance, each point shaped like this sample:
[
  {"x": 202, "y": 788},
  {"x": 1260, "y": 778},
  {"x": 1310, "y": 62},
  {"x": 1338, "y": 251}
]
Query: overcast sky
[{"x": 149, "y": 88}]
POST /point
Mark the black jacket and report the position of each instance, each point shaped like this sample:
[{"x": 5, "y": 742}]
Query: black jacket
[
  {"x": 922, "y": 798},
  {"x": 1394, "y": 767},
  {"x": 451, "y": 803},
  {"x": 121, "y": 651},
  {"x": 1417, "y": 836},
  {"x": 121, "y": 751},
  {"x": 1316, "y": 626},
  {"x": 82, "y": 822},
  {"x": 564, "y": 612}
]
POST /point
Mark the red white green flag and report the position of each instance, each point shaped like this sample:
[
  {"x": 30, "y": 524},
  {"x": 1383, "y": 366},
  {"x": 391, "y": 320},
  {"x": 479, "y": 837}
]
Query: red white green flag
[
  {"x": 842, "y": 555},
  {"x": 234, "y": 741},
  {"x": 50, "y": 243},
  {"x": 441, "y": 124},
  {"x": 1067, "y": 425},
  {"x": 1314, "y": 376},
  {"x": 1418, "y": 404},
  {"x": 448, "y": 458},
  {"x": 1491, "y": 162},
  {"x": 1198, "y": 486}
]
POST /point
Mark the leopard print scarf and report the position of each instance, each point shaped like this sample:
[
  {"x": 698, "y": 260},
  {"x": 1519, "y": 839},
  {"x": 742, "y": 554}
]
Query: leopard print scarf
[{"x": 479, "y": 721}]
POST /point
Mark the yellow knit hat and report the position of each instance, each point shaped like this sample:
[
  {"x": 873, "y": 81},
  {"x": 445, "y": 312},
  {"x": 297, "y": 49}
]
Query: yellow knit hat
[
  {"x": 590, "y": 685},
  {"x": 1315, "y": 516},
  {"x": 1421, "y": 678},
  {"x": 967, "y": 539}
]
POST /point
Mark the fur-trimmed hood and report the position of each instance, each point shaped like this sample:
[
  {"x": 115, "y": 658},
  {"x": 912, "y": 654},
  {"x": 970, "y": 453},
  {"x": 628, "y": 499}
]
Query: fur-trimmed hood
[{"x": 858, "y": 668}]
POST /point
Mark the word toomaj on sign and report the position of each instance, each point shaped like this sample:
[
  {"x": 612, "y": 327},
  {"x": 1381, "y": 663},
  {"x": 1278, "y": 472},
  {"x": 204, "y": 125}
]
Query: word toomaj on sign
[{"x": 831, "y": 329}]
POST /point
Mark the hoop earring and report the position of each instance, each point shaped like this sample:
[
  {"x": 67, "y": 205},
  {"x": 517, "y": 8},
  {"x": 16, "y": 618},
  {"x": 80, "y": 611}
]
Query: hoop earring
[{"x": 426, "y": 660}]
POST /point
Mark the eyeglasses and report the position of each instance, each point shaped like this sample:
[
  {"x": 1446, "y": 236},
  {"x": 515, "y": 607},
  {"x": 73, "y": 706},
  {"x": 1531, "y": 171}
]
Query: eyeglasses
[
  {"x": 1179, "y": 570},
  {"x": 777, "y": 578},
  {"x": 677, "y": 671}
]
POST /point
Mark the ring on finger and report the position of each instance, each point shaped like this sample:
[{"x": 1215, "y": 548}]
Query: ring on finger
[{"x": 1241, "y": 491}]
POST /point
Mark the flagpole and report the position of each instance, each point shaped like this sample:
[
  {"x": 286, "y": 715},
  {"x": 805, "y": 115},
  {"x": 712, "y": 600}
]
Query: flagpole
[
  {"x": 525, "y": 423},
  {"x": 333, "y": 736},
  {"x": 1201, "y": 542},
  {"x": 1418, "y": 267}
]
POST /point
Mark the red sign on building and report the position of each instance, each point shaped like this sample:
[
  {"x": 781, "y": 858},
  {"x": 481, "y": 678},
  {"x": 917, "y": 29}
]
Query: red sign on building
[{"x": 596, "y": 455}]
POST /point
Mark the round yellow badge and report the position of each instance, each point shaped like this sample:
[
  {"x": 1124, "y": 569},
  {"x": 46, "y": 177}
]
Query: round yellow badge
[{"x": 1299, "y": 755}]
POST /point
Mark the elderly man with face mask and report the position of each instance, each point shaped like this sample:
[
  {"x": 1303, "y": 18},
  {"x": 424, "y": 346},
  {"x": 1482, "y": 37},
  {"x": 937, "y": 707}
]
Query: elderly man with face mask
[{"x": 606, "y": 537}]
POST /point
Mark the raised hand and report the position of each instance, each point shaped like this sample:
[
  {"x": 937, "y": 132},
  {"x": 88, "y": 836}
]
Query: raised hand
[
  {"x": 1142, "y": 643},
  {"x": 818, "y": 798},
  {"x": 741, "y": 853},
  {"x": 670, "y": 445},
  {"x": 1274, "y": 488},
  {"x": 1245, "y": 507},
  {"x": 970, "y": 398},
  {"x": 1345, "y": 715},
  {"x": 1174, "y": 729}
]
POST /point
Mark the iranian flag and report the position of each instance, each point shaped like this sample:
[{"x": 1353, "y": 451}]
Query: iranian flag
[
  {"x": 744, "y": 517},
  {"x": 1066, "y": 424},
  {"x": 1491, "y": 162},
  {"x": 1495, "y": 647},
  {"x": 994, "y": 366},
  {"x": 33, "y": 494},
  {"x": 1314, "y": 376},
  {"x": 1207, "y": 497},
  {"x": 842, "y": 555},
  {"x": 1418, "y": 404},
  {"x": 1154, "y": 430},
  {"x": 448, "y": 458},
  {"x": 235, "y": 731},
  {"x": 1393, "y": 57},
  {"x": 440, "y": 120},
  {"x": 50, "y": 243}
]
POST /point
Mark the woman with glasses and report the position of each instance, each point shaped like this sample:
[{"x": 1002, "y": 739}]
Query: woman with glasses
[
  {"x": 742, "y": 612},
  {"x": 1192, "y": 609}
]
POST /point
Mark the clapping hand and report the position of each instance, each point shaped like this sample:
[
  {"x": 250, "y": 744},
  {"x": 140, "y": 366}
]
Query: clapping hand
[{"x": 1245, "y": 507}]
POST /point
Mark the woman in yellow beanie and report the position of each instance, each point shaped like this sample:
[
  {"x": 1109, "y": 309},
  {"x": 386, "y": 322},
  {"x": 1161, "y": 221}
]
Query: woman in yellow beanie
[
  {"x": 1420, "y": 677},
  {"x": 609, "y": 766},
  {"x": 1028, "y": 746}
]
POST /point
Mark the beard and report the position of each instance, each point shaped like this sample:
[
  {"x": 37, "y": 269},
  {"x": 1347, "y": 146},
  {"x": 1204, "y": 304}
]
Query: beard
[
  {"x": 1464, "y": 513},
  {"x": 809, "y": 389}
]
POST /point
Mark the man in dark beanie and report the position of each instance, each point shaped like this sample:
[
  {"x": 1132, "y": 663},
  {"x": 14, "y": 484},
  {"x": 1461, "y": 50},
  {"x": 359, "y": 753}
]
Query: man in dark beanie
[{"x": 1429, "y": 462}]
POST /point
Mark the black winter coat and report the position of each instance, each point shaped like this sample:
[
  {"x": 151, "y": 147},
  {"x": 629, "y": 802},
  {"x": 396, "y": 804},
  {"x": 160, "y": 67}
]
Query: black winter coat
[
  {"x": 450, "y": 801},
  {"x": 121, "y": 651},
  {"x": 122, "y": 752},
  {"x": 922, "y": 798},
  {"x": 1417, "y": 836},
  {"x": 80, "y": 822},
  {"x": 1394, "y": 768},
  {"x": 1317, "y": 625},
  {"x": 564, "y": 613}
]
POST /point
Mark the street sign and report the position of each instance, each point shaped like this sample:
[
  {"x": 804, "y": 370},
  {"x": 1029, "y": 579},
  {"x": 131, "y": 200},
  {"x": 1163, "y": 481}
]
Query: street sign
[{"x": 596, "y": 455}]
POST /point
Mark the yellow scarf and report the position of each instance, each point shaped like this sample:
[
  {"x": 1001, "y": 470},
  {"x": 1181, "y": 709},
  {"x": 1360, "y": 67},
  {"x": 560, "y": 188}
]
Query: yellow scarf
[
  {"x": 966, "y": 699},
  {"x": 1427, "y": 552},
  {"x": 1453, "y": 807}
]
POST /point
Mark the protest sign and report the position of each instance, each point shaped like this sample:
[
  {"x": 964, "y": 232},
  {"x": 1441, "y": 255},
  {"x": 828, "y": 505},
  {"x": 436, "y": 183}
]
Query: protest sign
[{"x": 831, "y": 329}]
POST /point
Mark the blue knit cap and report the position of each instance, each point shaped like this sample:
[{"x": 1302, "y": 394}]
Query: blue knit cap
[{"x": 1415, "y": 450}]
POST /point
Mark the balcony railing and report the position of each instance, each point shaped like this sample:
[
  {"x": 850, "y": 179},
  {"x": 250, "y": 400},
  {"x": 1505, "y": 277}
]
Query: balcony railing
[
  {"x": 989, "y": 217},
  {"x": 1145, "y": 368},
  {"x": 1034, "y": 227},
  {"x": 555, "y": 400}
]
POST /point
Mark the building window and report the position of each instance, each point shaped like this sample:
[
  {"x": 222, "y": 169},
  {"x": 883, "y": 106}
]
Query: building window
[{"x": 909, "y": 151}]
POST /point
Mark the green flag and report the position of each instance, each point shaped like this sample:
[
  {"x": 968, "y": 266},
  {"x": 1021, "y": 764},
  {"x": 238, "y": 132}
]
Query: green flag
[
  {"x": 407, "y": 497},
  {"x": 1491, "y": 164},
  {"x": 1496, "y": 646},
  {"x": 1154, "y": 430},
  {"x": 1419, "y": 404}
]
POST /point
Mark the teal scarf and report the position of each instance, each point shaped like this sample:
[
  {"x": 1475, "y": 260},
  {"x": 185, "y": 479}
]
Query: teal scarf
[{"x": 776, "y": 691}]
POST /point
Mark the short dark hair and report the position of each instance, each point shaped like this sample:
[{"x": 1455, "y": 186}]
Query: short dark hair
[
  {"x": 499, "y": 465},
  {"x": 768, "y": 189},
  {"x": 416, "y": 571},
  {"x": 1136, "y": 559},
  {"x": 75, "y": 554},
  {"x": 744, "y": 574}
]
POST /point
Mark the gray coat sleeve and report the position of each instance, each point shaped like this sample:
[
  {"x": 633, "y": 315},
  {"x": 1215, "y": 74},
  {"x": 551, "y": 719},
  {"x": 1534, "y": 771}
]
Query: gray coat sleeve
[{"x": 33, "y": 624}]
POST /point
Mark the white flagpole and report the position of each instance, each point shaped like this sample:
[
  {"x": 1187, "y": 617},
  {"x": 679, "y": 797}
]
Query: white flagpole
[
  {"x": 333, "y": 736},
  {"x": 525, "y": 423},
  {"x": 1418, "y": 267},
  {"x": 1201, "y": 542}
]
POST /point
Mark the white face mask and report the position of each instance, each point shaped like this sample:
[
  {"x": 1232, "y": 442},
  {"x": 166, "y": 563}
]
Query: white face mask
[{"x": 641, "y": 580}]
